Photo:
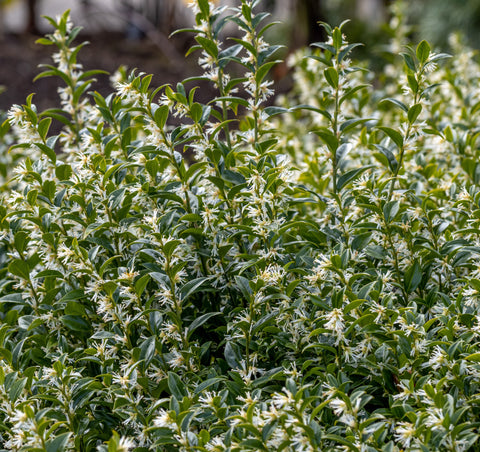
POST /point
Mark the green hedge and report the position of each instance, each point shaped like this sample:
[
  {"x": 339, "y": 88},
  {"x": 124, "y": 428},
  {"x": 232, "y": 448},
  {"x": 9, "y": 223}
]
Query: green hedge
[{"x": 302, "y": 276}]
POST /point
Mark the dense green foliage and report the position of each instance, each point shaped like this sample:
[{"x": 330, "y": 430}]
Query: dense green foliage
[{"x": 308, "y": 280}]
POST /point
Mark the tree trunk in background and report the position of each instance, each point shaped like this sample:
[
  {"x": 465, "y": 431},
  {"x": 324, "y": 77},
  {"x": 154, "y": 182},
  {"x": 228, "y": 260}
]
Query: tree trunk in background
[
  {"x": 314, "y": 14},
  {"x": 31, "y": 17},
  {"x": 306, "y": 29}
]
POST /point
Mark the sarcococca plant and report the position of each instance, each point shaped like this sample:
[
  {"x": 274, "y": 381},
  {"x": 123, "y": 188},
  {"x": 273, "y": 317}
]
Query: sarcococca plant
[{"x": 242, "y": 275}]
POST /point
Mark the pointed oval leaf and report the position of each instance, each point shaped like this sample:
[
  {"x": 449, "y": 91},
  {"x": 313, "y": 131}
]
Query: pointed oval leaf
[
  {"x": 393, "y": 134},
  {"x": 199, "y": 321},
  {"x": 20, "y": 268},
  {"x": 331, "y": 76},
  {"x": 423, "y": 51},
  {"x": 176, "y": 386},
  {"x": 397, "y": 103},
  {"x": 413, "y": 112}
]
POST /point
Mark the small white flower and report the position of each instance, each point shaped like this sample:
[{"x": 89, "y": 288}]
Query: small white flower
[
  {"x": 405, "y": 433},
  {"x": 338, "y": 406},
  {"x": 125, "y": 444},
  {"x": 334, "y": 320},
  {"x": 164, "y": 420},
  {"x": 280, "y": 400},
  {"x": 438, "y": 359}
]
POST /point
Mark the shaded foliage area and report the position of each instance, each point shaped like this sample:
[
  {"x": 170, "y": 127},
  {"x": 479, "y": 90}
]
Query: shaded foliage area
[{"x": 310, "y": 281}]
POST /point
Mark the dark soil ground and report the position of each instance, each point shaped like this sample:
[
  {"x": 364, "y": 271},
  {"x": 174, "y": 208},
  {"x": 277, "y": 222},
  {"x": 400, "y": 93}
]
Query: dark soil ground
[{"x": 20, "y": 58}]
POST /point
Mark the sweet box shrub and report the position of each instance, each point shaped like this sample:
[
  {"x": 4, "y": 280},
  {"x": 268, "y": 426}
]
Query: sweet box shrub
[{"x": 301, "y": 276}]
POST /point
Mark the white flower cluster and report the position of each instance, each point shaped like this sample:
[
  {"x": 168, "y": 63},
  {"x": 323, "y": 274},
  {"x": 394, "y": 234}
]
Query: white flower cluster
[{"x": 223, "y": 277}]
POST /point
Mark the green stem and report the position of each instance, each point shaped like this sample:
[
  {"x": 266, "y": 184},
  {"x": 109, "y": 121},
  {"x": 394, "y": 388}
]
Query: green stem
[
  {"x": 337, "y": 135},
  {"x": 226, "y": 129},
  {"x": 403, "y": 149},
  {"x": 395, "y": 261}
]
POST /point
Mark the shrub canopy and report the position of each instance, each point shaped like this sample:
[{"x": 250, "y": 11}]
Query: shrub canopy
[{"x": 238, "y": 275}]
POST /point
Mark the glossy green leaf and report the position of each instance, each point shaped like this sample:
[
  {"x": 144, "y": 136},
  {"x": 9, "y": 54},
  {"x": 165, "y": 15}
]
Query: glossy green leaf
[{"x": 423, "y": 51}]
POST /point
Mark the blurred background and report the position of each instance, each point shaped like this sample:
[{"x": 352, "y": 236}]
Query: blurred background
[{"x": 135, "y": 33}]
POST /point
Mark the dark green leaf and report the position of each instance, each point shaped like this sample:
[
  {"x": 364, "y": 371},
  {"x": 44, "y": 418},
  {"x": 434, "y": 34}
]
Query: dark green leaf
[
  {"x": 231, "y": 355},
  {"x": 21, "y": 240},
  {"x": 43, "y": 127},
  {"x": 273, "y": 111},
  {"x": 16, "y": 389},
  {"x": 394, "y": 135},
  {"x": 331, "y": 76},
  {"x": 76, "y": 323},
  {"x": 196, "y": 112},
  {"x": 244, "y": 286},
  {"x": 20, "y": 268},
  {"x": 409, "y": 61},
  {"x": 352, "y": 123},
  {"x": 193, "y": 286},
  {"x": 63, "y": 172},
  {"x": 48, "y": 151},
  {"x": 207, "y": 383},
  {"x": 72, "y": 295},
  {"x": 413, "y": 277},
  {"x": 59, "y": 443},
  {"x": 413, "y": 112},
  {"x": 199, "y": 321},
  {"x": 161, "y": 115},
  {"x": 350, "y": 176},
  {"x": 475, "y": 357},
  {"x": 328, "y": 138},
  {"x": 396, "y": 102},
  {"x": 423, "y": 51},
  {"x": 176, "y": 386},
  {"x": 390, "y": 210},
  {"x": 208, "y": 45},
  {"x": 386, "y": 157},
  {"x": 147, "y": 351}
]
